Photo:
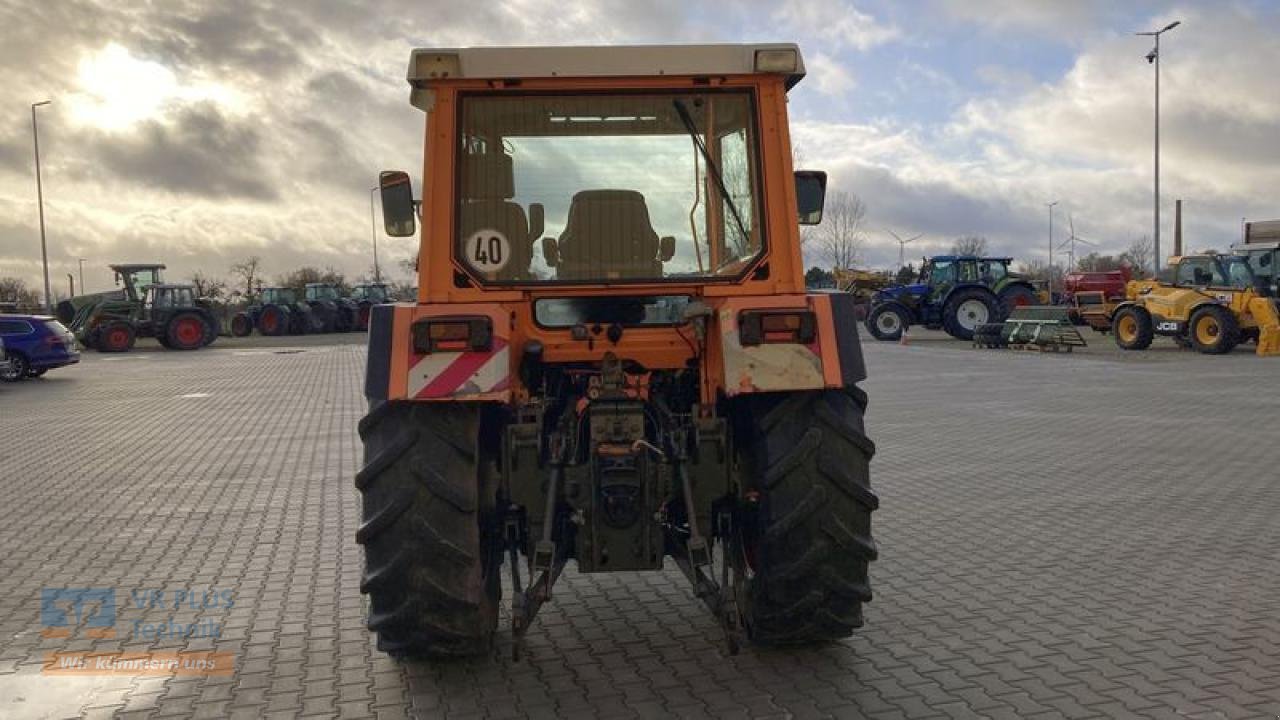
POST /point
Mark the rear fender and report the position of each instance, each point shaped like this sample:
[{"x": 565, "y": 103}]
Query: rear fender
[
  {"x": 832, "y": 360},
  {"x": 396, "y": 372}
]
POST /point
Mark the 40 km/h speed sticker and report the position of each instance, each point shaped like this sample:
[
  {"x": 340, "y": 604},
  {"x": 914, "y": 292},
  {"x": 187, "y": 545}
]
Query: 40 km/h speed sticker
[{"x": 487, "y": 250}]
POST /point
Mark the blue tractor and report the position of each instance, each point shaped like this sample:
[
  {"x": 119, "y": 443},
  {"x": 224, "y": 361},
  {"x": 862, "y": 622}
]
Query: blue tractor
[{"x": 955, "y": 293}]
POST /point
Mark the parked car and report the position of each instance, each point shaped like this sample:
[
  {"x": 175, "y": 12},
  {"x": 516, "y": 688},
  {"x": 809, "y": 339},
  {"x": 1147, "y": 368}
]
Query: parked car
[{"x": 34, "y": 345}]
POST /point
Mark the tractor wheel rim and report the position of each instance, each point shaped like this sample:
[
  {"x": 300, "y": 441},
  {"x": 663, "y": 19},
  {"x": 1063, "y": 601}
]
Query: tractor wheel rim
[
  {"x": 269, "y": 322},
  {"x": 118, "y": 338},
  {"x": 1127, "y": 328},
  {"x": 1021, "y": 301},
  {"x": 189, "y": 331},
  {"x": 1207, "y": 331},
  {"x": 888, "y": 322},
  {"x": 972, "y": 313}
]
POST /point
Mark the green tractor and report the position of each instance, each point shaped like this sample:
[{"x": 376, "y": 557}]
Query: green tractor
[
  {"x": 277, "y": 312},
  {"x": 144, "y": 306},
  {"x": 366, "y": 295},
  {"x": 334, "y": 312}
]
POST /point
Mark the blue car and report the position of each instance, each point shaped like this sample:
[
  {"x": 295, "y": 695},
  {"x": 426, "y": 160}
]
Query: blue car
[{"x": 35, "y": 344}]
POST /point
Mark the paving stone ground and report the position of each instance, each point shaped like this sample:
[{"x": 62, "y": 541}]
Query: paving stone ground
[{"x": 1060, "y": 537}]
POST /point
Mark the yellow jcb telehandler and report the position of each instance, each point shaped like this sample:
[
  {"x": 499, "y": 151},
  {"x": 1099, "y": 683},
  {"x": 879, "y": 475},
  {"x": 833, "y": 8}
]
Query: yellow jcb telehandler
[{"x": 1210, "y": 302}]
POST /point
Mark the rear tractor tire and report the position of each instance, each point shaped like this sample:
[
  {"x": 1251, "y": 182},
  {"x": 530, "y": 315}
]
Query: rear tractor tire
[
  {"x": 966, "y": 309},
  {"x": 273, "y": 321},
  {"x": 241, "y": 325},
  {"x": 809, "y": 543},
  {"x": 1213, "y": 330},
  {"x": 430, "y": 533},
  {"x": 186, "y": 331},
  {"x": 1013, "y": 297}
]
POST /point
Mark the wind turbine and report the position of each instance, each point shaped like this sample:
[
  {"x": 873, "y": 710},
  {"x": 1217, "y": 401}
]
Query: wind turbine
[
  {"x": 902, "y": 246},
  {"x": 1070, "y": 244}
]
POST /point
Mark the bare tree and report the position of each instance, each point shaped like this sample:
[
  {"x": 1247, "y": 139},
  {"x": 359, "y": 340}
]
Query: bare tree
[
  {"x": 301, "y": 277},
  {"x": 970, "y": 245},
  {"x": 1096, "y": 262},
  {"x": 14, "y": 290},
  {"x": 841, "y": 235},
  {"x": 208, "y": 287},
  {"x": 247, "y": 272},
  {"x": 1039, "y": 271},
  {"x": 1140, "y": 256}
]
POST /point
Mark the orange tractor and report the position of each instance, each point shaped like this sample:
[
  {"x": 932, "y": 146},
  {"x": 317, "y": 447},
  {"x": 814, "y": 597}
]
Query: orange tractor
[{"x": 612, "y": 358}]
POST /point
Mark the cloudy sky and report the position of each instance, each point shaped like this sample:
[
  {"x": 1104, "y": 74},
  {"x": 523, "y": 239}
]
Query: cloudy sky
[{"x": 197, "y": 133}]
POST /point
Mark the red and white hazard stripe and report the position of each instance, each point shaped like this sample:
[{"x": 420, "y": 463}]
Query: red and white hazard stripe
[{"x": 446, "y": 374}]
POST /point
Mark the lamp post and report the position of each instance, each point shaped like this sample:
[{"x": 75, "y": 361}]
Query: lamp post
[
  {"x": 44, "y": 251},
  {"x": 1049, "y": 270},
  {"x": 82, "y": 275},
  {"x": 1153, "y": 57},
  {"x": 373, "y": 231}
]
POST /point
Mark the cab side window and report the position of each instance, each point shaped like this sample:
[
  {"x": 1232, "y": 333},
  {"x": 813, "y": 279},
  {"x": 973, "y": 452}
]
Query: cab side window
[{"x": 1194, "y": 273}]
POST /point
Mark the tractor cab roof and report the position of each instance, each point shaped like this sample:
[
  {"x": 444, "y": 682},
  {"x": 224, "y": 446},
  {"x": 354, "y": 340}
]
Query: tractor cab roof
[
  {"x": 956, "y": 258},
  {"x": 1245, "y": 248},
  {"x": 136, "y": 267},
  {"x": 429, "y": 65}
]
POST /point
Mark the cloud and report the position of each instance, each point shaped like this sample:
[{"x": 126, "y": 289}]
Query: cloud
[
  {"x": 838, "y": 24},
  {"x": 1063, "y": 20},
  {"x": 829, "y": 76},
  {"x": 315, "y": 104},
  {"x": 200, "y": 151}
]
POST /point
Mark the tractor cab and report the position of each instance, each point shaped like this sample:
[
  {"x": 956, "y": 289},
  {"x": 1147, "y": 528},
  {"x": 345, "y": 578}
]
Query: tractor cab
[
  {"x": 279, "y": 296},
  {"x": 322, "y": 291},
  {"x": 162, "y": 298},
  {"x": 135, "y": 278},
  {"x": 372, "y": 292},
  {"x": 1263, "y": 259}
]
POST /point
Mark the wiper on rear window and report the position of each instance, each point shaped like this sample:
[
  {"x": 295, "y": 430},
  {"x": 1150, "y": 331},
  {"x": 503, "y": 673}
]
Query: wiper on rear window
[{"x": 692, "y": 129}]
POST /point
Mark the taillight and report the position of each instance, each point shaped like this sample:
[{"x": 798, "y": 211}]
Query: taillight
[
  {"x": 452, "y": 335},
  {"x": 757, "y": 327}
]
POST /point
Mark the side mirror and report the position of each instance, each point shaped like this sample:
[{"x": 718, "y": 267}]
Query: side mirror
[
  {"x": 666, "y": 248},
  {"x": 811, "y": 195},
  {"x": 397, "y": 203},
  {"x": 551, "y": 251},
  {"x": 537, "y": 220}
]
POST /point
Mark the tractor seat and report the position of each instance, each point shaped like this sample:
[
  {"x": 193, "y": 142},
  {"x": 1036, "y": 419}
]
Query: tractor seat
[
  {"x": 609, "y": 236},
  {"x": 488, "y": 184}
]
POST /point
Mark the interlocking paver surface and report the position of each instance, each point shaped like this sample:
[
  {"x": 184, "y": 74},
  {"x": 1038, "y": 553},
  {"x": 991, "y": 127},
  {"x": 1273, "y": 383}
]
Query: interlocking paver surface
[{"x": 1060, "y": 537}]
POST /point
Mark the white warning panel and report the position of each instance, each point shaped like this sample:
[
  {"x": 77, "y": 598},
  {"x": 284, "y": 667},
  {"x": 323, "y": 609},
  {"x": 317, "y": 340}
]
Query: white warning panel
[{"x": 487, "y": 250}]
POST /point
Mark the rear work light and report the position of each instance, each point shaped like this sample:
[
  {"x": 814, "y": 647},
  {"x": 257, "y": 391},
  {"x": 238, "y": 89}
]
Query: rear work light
[
  {"x": 452, "y": 334},
  {"x": 758, "y": 327}
]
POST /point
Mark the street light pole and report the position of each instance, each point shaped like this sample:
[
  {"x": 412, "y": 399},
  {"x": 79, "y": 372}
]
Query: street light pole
[
  {"x": 373, "y": 231},
  {"x": 82, "y": 288},
  {"x": 44, "y": 251},
  {"x": 1153, "y": 57},
  {"x": 1049, "y": 270}
]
